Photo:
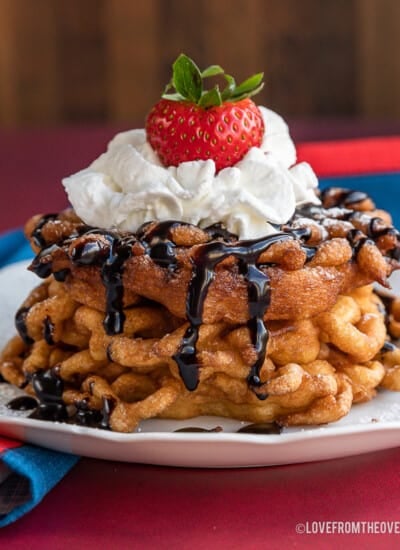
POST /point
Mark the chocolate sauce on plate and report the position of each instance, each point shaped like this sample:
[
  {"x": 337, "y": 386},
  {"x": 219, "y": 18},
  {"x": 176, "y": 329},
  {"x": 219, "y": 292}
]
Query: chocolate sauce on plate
[
  {"x": 22, "y": 403},
  {"x": 196, "y": 429},
  {"x": 265, "y": 428}
]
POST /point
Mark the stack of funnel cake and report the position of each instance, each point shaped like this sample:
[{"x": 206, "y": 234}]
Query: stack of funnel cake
[{"x": 175, "y": 321}]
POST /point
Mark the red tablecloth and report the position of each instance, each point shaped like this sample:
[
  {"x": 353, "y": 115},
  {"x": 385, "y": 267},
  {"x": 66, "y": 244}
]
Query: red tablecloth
[{"x": 118, "y": 505}]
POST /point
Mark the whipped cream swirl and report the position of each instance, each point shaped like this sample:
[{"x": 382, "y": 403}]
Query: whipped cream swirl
[{"x": 127, "y": 186}]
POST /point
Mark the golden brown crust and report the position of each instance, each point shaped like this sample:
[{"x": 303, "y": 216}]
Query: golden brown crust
[
  {"x": 296, "y": 294},
  {"x": 301, "y": 286}
]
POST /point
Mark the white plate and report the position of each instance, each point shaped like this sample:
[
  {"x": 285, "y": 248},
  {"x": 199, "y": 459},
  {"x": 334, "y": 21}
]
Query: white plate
[{"x": 369, "y": 427}]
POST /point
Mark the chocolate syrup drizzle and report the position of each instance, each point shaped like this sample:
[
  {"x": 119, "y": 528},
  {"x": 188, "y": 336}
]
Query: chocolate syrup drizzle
[
  {"x": 112, "y": 251},
  {"x": 336, "y": 196},
  {"x": 207, "y": 257},
  {"x": 48, "y": 330},
  {"x": 20, "y": 325},
  {"x": 49, "y": 387},
  {"x": 376, "y": 227},
  {"x": 37, "y": 236}
]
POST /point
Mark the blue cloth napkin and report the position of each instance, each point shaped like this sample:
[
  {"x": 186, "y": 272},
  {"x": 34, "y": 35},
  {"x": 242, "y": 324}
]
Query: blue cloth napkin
[
  {"x": 14, "y": 247},
  {"x": 33, "y": 471}
]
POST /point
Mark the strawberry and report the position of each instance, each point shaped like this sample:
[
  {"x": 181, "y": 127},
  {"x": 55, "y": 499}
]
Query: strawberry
[{"x": 198, "y": 124}]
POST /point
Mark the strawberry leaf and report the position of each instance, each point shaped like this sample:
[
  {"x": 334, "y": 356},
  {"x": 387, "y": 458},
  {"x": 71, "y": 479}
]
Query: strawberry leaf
[
  {"x": 211, "y": 98},
  {"x": 172, "y": 97},
  {"x": 187, "y": 79},
  {"x": 213, "y": 70},
  {"x": 230, "y": 88},
  {"x": 247, "y": 94},
  {"x": 187, "y": 84},
  {"x": 249, "y": 85}
]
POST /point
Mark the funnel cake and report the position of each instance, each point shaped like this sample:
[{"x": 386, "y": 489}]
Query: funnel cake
[
  {"x": 175, "y": 321},
  {"x": 319, "y": 254},
  {"x": 278, "y": 321}
]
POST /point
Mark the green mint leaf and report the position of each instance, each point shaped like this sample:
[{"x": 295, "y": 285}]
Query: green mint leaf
[
  {"x": 187, "y": 78},
  {"x": 249, "y": 85},
  {"x": 212, "y": 98},
  {"x": 229, "y": 89},
  {"x": 213, "y": 70}
]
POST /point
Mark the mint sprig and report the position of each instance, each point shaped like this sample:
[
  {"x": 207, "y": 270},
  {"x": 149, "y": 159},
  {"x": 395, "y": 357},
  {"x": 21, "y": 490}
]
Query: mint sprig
[{"x": 188, "y": 82}]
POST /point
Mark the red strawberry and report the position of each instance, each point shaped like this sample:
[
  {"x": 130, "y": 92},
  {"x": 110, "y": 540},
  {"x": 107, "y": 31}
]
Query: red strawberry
[{"x": 193, "y": 124}]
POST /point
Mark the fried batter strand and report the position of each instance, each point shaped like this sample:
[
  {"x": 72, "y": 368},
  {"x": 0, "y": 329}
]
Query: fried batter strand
[{"x": 314, "y": 370}]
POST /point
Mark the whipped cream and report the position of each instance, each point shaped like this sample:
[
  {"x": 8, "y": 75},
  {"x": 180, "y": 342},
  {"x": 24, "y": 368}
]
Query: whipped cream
[{"x": 127, "y": 186}]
